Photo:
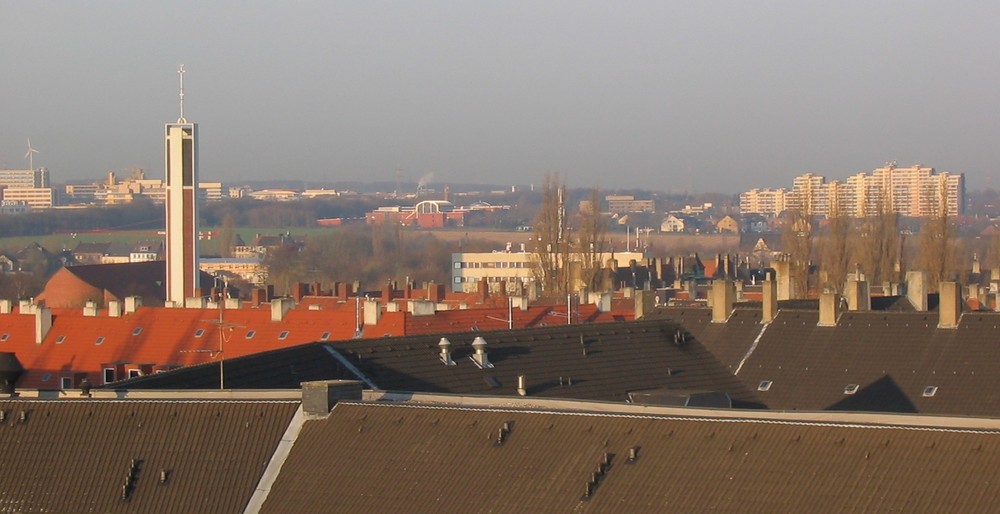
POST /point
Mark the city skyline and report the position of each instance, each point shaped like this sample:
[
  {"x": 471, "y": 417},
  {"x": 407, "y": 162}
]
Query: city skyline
[{"x": 641, "y": 95}]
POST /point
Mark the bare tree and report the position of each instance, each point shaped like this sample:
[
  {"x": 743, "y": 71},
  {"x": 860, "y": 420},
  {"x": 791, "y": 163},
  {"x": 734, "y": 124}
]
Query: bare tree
[
  {"x": 834, "y": 252},
  {"x": 934, "y": 251},
  {"x": 875, "y": 247},
  {"x": 592, "y": 242},
  {"x": 797, "y": 240},
  {"x": 550, "y": 243}
]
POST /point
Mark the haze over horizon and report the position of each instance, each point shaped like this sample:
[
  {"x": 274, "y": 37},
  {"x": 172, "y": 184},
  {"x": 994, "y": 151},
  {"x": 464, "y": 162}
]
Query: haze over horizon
[{"x": 674, "y": 97}]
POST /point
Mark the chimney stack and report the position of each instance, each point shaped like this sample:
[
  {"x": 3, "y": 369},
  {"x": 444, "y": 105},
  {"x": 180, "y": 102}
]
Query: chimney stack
[
  {"x": 319, "y": 397},
  {"x": 783, "y": 272},
  {"x": 90, "y": 309},
  {"x": 644, "y": 303},
  {"x": 280, "y": 308},
  {"x": 480, "y": 357},
  {"x": 858, "y": 295},
  {"x": 916, "y": 289},
  {"x": 829, "y": 309},
  {"x": 445, "y": 346},
  {"x": 769, "y": 290},
  {"x": 949, "y": 304},
  {"x": 132, "y": 304},
  {"x": 43, "y": 323},
  {"x": 372, "y": 313},
  {"x": 5, "y": 306},
  {"x": 114, "y": 309},
  {"x": 723, "y": 297}
]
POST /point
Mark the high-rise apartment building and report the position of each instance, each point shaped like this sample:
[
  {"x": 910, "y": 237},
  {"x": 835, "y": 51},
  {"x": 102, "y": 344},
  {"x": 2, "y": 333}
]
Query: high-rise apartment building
[
  {"x": 914, "y": 191},
  {"x": 36, "y": 178}
]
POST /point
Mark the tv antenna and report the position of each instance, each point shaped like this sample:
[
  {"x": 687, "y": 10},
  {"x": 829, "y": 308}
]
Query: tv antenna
[
  {"x": 180, "y": 72},
  {"x": 30, "y": 155}
]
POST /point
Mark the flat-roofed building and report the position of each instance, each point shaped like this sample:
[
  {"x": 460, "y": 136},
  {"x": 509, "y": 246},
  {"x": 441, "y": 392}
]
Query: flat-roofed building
[
  {"x": 34, "y": 197},
  {"x": 624, "y": 204}
]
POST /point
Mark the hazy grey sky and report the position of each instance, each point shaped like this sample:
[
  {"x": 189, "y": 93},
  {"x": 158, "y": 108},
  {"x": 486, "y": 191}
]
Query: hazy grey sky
[{"x": 700, "y": 96}]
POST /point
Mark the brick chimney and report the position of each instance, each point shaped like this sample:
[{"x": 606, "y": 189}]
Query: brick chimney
[
  {"x": 319, "y": 397},
  {"x": 300, "y": 291},
  {"x": 949, "y": 304},
  {"x": 482, "y": 290},
  {"x": 435, "y": 292},
  {"x": 387, "y": 292},
  {"x": 343, "y": 291},
  {"x": 829, "y": 309},
  {"x": 258, "y": 296},
  {"x": 723, "y": 297}
]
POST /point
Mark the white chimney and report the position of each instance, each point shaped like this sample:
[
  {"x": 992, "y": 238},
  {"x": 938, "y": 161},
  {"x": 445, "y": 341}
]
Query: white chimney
[
  {"x": 858, "y": 296},
  {"x": 949, "y": 304},
  {"x": 195, "y": 302},
  {"x": 916, "y": 289},
  {"x": 132, "y": 304},
  {"x": 829, "y": 309},
  {"x": 280, "y": 307},
  {"x": 522, "y": 385},
  {"x": 5, "y": 306},
  {"x": 233, "y": 303},
  {"x": 723, "y": 297},
  {"x": 769, "y": 291},
  {"x": 114, "y": 309},
  {"x": 372, "y": 312},
  {"x": 90, "y": 309},
  {"x": 43, "y": 323}
]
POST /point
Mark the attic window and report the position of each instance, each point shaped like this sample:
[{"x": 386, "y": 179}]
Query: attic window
[
  {"x": 137, "y": 331},
  {"x": 930, "y": 391},
  {"x": 46, "y": 377},
  {"x": 65, "y": 383},
  {"x": 200, "y": 332},
  {"x": 764, "y": 385},
  {"x": 851, "y": 388},
  {"x": 99, "y": 341},
  {"x": 283, "y": 335},
  {"x": 325, "y": 336},
  {"x": 60, "y": 339},
  {"x": 251, "y": 333},
  {"x": 5, "y": 337}
]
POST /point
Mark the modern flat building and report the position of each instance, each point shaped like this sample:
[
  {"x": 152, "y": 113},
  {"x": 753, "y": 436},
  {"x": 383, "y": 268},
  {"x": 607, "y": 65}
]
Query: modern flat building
[
  {"x": 34, "y": 197},
  {"x": 469, "y": 268}
]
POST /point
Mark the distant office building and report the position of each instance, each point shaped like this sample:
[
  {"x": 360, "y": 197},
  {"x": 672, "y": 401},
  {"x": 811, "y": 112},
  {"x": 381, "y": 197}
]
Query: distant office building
[
  {"x": 33, "y": 197},
  {"x": 37, "y": 178},
  {"x": 469, "y": 268},
  {"x": 624, "y": 204}
]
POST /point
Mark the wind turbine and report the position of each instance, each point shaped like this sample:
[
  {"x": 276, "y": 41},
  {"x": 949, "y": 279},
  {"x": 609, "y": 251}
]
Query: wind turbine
[{"x": 30, "y": 155}]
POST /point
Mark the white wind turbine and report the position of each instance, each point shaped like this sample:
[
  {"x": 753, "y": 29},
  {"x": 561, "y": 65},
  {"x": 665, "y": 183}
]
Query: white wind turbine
[{"x": 30, "y": 155}]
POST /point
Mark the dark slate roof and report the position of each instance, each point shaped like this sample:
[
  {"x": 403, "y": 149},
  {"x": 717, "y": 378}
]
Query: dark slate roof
[
  {"x": 73, "y": 456},
  {"x": 620, "y": 357},
  {"x": 393, "y": 458},
  {"x": 891, "y": 356},
  {"x": 285, "y": 368},
  {"x": 729, "y": 342}
]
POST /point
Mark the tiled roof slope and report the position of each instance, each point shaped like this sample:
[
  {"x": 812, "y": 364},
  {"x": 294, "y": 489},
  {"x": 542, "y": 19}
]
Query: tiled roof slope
[
  {"x": 728, "y": 342},
  {"x": 891, "y": 357},
  {"x": 380, "y": 458},
  {"x": 73, "y": 456},
  {"x": 285, "y": 368},
  {"x": 621, "y": 357}
]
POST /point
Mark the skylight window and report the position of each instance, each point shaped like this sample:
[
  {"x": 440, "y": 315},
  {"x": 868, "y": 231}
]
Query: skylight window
[
  {"x": 283, "y": 335},
  {"x": 851, "y": 388},
  {"x": 137, "y": 331},
  {"x": 251, "y": 333},
  {"x": 930, "y": 391},
  {"x": 200, "y": 332},
  {"x": 60, "y": 339},
  {"x": 4, "y": 337},
  {"x": 325, "y": 336},
  {"x": 99, "y": 341},
  {"x": 764, "y": 385}
]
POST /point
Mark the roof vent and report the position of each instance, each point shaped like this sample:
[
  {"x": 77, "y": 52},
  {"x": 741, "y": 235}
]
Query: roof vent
[
  {"x": 522, "y": 385},
  {"x": 633, "y": 455},
  {"x": 479, "y": 357},
  {"x": 445, "y": 346}
]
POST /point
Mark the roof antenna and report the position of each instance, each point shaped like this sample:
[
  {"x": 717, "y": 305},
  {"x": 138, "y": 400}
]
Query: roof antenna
[{"x": 180, "y": 71}]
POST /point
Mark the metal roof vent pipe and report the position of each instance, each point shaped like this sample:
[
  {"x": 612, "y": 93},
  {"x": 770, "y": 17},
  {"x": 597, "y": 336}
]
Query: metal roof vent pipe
[
  {"x": 522, "y": 385},
  {"x": 479, "y": 357},
  {"x": 445, "y": 346},
  {"x": 10, "y": 370}
]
